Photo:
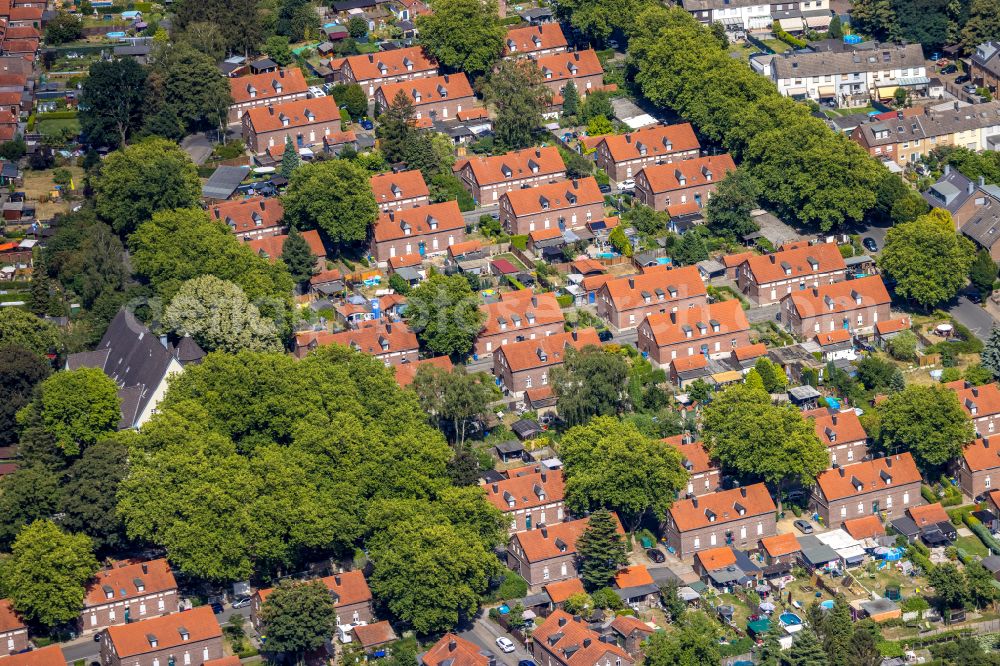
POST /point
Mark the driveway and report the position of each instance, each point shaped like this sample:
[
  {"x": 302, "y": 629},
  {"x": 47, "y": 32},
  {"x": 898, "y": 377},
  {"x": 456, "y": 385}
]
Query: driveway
[
  {"x": 972, "y": 316},
  {"x": 484, "y": 633},
  {"x": 198, "y": 147}
]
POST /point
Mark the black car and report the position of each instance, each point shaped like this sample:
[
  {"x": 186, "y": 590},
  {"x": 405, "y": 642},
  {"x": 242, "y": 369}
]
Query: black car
[
  {"x": 526, "y": 662},
  {"x": 965, "y": 78},
  {"x": 656, "y": 555},
  {"x": 869, "y": 244},
  {"x": 217, "y": 607},
  {"x": 605, "y": 189},
  {"x": 950, "y": 69},
  {"x": 605, "y": 335}
]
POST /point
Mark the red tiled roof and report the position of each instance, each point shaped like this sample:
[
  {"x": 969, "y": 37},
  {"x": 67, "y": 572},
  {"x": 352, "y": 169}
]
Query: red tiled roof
[
  {"x": 325, "y": 276},
  {"x": 865, "y": 527},
  {"x": 595, "y": 282},
  {"x": 771, "y": 267},
  {"x": 835, "y": 337},
  {"x": 693, "y": 324},
  {"x": 393, "y": 225},
  {"x": 573, "y": 642},
  {"x": 667, "y": 177},
  {"x": 249, "y": 214},
  {"x": 626, "y": 625},
  {"x": 367, "y": 339},
  {"x": 690, "y": 514},
  {"x": 297, "y": 113},
  {"x": 389, "y": 187},
  {"x": 928, "y": 514},
  {"x": 677, "y": 283},
  {"x": 794, "y": 245},
  {"x": 25, "y": 13},
  {"x": 407, "y": 371},
  {"x": 456, "y": 651},
  {"x": 26, "y": 45},
  {"x": 539, "y": 235},
  {"x": 634, "y": 576},
  {"x": 781, "y": 544},
  {"x": 559, "y": 195},
  {"x": 986, "y": 398},
  {"x": 403, "y": 260},
  {"x": 995, "y": 497},
  {"x": 524, "y": 491},
  {"x": 559, "y": 66},
  {"x": 46, "y": 656},
  {"x": 9, "y": 620},
  {"x": 588, "y": 266},
  {"x": 840, "y": 428},
  {"x": 870, "y": 475},
  {"x": 686, "y": 363},
  {"x": 748, "y": 352},
  {"x": 349, "y": 587},
  {"x": 982, "y": 454},
  {"x": 504, "y": 266},
  {"x": 892, "y": 325},
  {"x": 840, "y": 297},
  {"x": 429, "y": 89},
  {"x": 733, "y": 260},
  {"x": 533, "y": 38},
  {"x": 527, "y": 354},
  {"x": 543, "y": 309},
  {"x": 370, "y": 635},
  {"x": 562, "y": 590},
  {"x": 694, "y": 452},
  {"x": 397, "y": 62},
  {"x": 467, "y": 247},
  {"x": 657, "y": 140},
  {"x": 291, "y": 82},
  {"x": 554, "y": 540},
  {"x": 272, "y": 246},
  {"x": 519, "y": 163},
  {"x": 231, "y": 660},
  {"x": 475, "y": 113},
  {"x": 131, "y": 640},
  {"x": 122, "y": 581},
  {"x": 716, "y": 558}
]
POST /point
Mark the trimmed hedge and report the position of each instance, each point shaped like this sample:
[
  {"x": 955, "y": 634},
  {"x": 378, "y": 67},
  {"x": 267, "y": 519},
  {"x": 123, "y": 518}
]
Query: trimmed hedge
[
  {"x": 520, "y": 242},
  {"x": 565, "y": 300},
  {"x": 57, "y": 115},
  {"x": 980, "y": 531},
  {"x": 794, "y": 42}
]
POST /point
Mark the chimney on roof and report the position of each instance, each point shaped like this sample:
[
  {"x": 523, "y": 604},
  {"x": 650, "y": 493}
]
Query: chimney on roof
[
  {"x": 496, "y": 487},
  {"x": 673, "y": 317},
  {"x": 975, "y": 391},
  {"x": 545, "y": 533},
  {"x": 631, "y": 283},
  {"x": 336, "y": 579},
  {"x": 772, "y": 258},
  {"x": 446, "y": 78},
  {"x": 986, "y": 442},
  {"x": 888, "y": 461},
  {"x": 577, "y": 618},
  {"x": 545, "y": 477},
  {"x": 371, "y": 58},
  {"x": 694, "y": 502},
  {"x": 281, "y": 73},
  {"x": 538, "y": 152},
  {"x": 586, "y": 642},
  {"x": 562, "y": 622},
  {"x": 270, "y": 110},
  {"x": 452, "y": 645},
  {"x": 628, "y": 137},
  {"x": 145, "y": 568},
  {"x": 743, "y": 491},
  {"x": 841, "y": 472}
]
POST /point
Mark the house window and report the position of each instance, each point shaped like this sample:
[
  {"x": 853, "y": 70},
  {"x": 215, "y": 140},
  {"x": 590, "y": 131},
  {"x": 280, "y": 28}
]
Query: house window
[
  {"x": 545, "y": 573},
  {"x": 850, "y": 454},
  {"x": 861, "y": 507},
  {"x": 987, "y": 482},
  {"x": 743, "y": 532},
  {"x": 562, "y": 570},
  {"x": 888, "y": 501},
  {"x": 843, "y": 512},
  {"x": 906, "y": 497},
  {"x": 711, "y": 540},
  {"x": 760, "y": 529},
  {"x": 159, "y": 605},
  {"x": 697, "y": 542}
]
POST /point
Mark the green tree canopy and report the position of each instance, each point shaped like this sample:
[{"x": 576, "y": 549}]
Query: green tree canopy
[
  {"x": 728, "y": 211},
  {"x": 927, "y": 421},
  {"x": 187, "y": 82},
  {"x": 112, "y": 101},
  {"x": 610, "y": 464},
  {"x": 62, "y": 28},
  {"x": 761, "y": 441},
  {"x": 298, "y": 257},
  {"x": 26, "y": 495},
  {"x": 601, "y": 549},
  {"x": 693, "y": 644},
  {"x": 983, "y": 274},
  {"x": 299, "y": 617},
  {"x": 463, "y": 35},
  {"x": 990, "y": 357},
  {"x": 140, "y": 180},
  {"x": 332, "y": 196},
  {"x": 20, "y": 371},
  {"x": 454, "y": 398},
  {"x": 23, "y": 329},
  {"x": 89, "y": 494},
  {"x": 516, "y": 90},
  {"x": 591, "y": 382},
  {"x": 44, "y": 576},
  {"x": 927, "y": 258},
  {"x": 445, "y": 314},
  {"x": 77, "y": 407}
]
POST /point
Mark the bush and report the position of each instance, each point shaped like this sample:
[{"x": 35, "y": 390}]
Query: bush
[
  {"x": 520, "y": 242},
  {"x": 794, "y": 42},
  {"x": 737, "y": 647},
  {"x": 511, "y": 587},
  {"x": 57, "y": 115},
  {"x": 565, "y": 300},
  {"x": 890, "y": 649},
  {"x": 914, "y": 604},
  {"x": 928, "y": 494}
]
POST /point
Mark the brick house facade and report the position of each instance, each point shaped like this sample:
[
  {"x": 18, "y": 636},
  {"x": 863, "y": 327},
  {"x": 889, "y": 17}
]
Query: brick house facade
[
  {"x": 534, "y": 40},
  {"x": 626, "y": 301},
  {"x": 683, "y": 187},
  {"x": 738, "y": 518},
  {"x": 528, "y": 364},
  {"x": 979, "y": 464},
  {"x": 13, "y": 631},
  {"x": 255, "y": 90},
  {"x": 433, "y": 98},
  {"x": 306, "y": 122},
  {"x": 565, "y": 640},
  {"x": 530, "y": 497},
  {"x": 883, "y": 486},
  {"x": 518, "y": 316},
  {"x": 486, "y": 178},
  {"x": 249, "y": 219},
  {"x": 547, "y": 554},
  {"x": 189, "y": 638},
  {"x": 583, "y": 68},
  {"x": 766, "y": 279},
  {"x": 352, "y": 599},
  {"x": 372, "y": 70},
  {"x": 842, "y": 433},
  {"x": 704, "y": 475},
  {"x": 393, "y": 343},
  {"x": 623, "y": 156},
  {"x": 127, "y": 593},
  {"x": 712, "y": 330},
  {"x": 427, "y": 230},
  {"x": 564, "y": 204},
  {"x": 855, "y": 306},
  {"x": 981, "y": 405},
  {"x": 400, "y": 191}
]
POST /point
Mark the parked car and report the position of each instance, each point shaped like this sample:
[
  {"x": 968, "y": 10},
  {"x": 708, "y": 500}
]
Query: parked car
[
  {"x": 656, "y": 555},
  {"x": 964, "y": 78},
  {"x": 970, "y": 89},
  {"x": 97, "y": 636},
  {"x": 526, "y": 662},
  {"x": 804, "y": 526},
  {"x": 605, "y": 189},
  {"x": 505, "y": 644},
  {"x": 627, "y": 184},
  {"x": 950, "y": 69},
  {"x": 241, "y": 602},
  {"x": 869, "y": 244},
  {"x": 217, "y": 607},
  {"x": 367, "y": 124},
  {"x": 605, "y": 335}
]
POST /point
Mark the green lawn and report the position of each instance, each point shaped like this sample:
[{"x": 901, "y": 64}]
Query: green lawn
[
  {"x": 972, "y": 545},
  {"x": 53, "y": 127},
  {"x": 777, "y": 45}
]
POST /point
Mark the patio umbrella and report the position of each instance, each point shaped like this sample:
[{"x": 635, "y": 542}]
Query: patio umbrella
[{"x": 767, "y": 606}]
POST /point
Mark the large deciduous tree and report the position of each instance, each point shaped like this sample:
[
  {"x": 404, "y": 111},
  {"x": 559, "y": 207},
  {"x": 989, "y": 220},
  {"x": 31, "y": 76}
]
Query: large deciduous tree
[
  {"x": 77, "y": 407},
  {"x": 610, "y": 464},
  {"x": 20, "y": 371},
  {"x": 463, "y": 35},
  {"x": 601, "y": 549},
  {"x": 983, "y": 274},
  {"x": 927, "y": 258},
  {"x": 44, "y": 576},
  {"x": 187, "y": 82},
  {"x": 516, "y": 90},
  {"x": 89, "y": 497},
  {"x": 220, "y": 317},
  {"x": 591, "y": 382},
  {"x": 21, "y": 328},
  {"x": 299, "y": 617},
  {"x": 728, "y": 211},
  {"x": 113, "y": 101},
  {"x": 142, "y": 179},
  {"x": 332, "y": 196},
  {"x": 761, "y": 441},
  {"x": 445, "y": 314},
  {"x": 927, "y": 421},
  {"x": 26, "y": 495},
  {"x": 693, "y": 644},
  {"x": 454, "y": 398}
]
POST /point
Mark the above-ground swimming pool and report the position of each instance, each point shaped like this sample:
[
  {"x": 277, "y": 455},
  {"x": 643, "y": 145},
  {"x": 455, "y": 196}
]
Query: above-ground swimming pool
[
  {"x": 115, "y": 35},
  {"x": 788, "y": 619},
  {"x": 828, "y": 604}
]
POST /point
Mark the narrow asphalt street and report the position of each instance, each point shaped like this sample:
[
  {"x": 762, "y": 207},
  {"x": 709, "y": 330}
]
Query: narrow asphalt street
[
  {"x": 484, "y": 633},
  {"x": 972, "y": 316}
]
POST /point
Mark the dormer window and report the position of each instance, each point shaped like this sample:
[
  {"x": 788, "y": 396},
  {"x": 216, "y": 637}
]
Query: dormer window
[
  {"x": 641, "y": 147},
  {"x": 710, "y": 515},
  {"x": 407, "y": 229},
  {"x": 109, "y": 592},
  {"x": 547, "y": 72},
  {"x": 544, "y": 203},
  {"x": 971, "y": 406},
  {"x": 667, "y": 144},
  {"x": 185, "y": 634},
  {"x": 511, "y": 45},
  {"x": 786, "y": 267},
  {"x": 660, "y": 294},
  {"x": 509, "y": 499},
  {"x": 830, "y": 305},
  {"x": 740, "y": 509},
  {"x": 856, "y": 482},
  {"x": 706, "y": 173},
  {"x": 506, "y": 171},
  {"x": 284, "y": 120},
  {"x": 416, "y": 95},
  {"x": 258, "y": 221},
  {"x": 702, "y": 329},
  {"x": 542, "y": 356},
  {"x": 139, "y": 584},
  {"x": 673, "y": 291},
  {"x": 570, "y": 198},
  {"x": 534, "y": 166},
  {"x": 681, "y": 178},
  {"x": 152, "y": 640},
  {"x": 813, "y": 264},
  {"x": 251, "y": 91},
  {"x": 831, "y": 434},
  {"x": 561, "y": 545},
  {"x": 886, "y": 477},
  {"x": 716, "y": 327},
  {"x": 688, "y": 331},
  {"x": 397, "y": 191},
  {"x": 383, "y": 342},
  {"x": 432, "y": 222},
  {"x": 539, "y": 492},
  {"x": 516, "y": 320},
  {"x": 382, "y": 68},
  {"x": 537, "y": 41},
  {"x": 856, "y": 296},
  {"x": 310, "y": 116},
  {"x": 502, "y": 322},
  {"x": 531, "y": 317},
  {"x": 408, "y": 64},
  {"x": 277, "y": 87},
  {"x": 646, "y": 297}
]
